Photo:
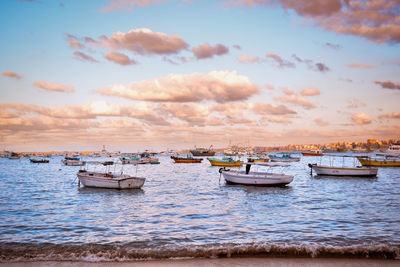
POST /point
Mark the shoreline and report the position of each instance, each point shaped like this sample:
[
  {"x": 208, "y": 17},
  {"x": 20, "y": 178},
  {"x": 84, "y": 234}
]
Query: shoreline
[{"x": 253, "y": 261}]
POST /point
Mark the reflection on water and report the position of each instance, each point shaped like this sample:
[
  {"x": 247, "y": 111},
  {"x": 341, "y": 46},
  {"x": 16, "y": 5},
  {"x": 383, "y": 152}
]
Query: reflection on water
[{"x": 190, "y": 205}]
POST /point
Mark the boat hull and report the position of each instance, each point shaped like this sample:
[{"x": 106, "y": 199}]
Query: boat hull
[
  {"x": 102, "y": 180},
  {"x": 39, "y": 161},
  {"x": 221, "y": 163},
  {"x": 312, "y": 154},
  {"x": 73, "y": 162},
  {"x": 285, "y": 159},
  {"x": 202, "y": 154},
  {"x": 379, "y": 162},
  {"x": 336, "y": 171},
  {"x": 256, "y": 178}
]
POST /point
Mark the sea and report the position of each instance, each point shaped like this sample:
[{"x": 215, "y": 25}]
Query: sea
[{"x": 186, "y": 211}]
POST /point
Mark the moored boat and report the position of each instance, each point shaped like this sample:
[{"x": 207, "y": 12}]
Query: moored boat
[
  {"x": 186, "y": 160},
  {"x": 312, "y": 153},
  {"x": 202, "y": 152},
  {"x": 39, "y": 160},
  {"x": 380, "y": 162},
  {"x": 225, "y": 162},
  {"x": 73, "y": 161},
  {"x": 257, "y": 159},
  {"x": 109, "y": 180},
  {"x": 358, "y": 171},
  {"x": 284, "y": 158},
  {"x": 257, "y": 178}
]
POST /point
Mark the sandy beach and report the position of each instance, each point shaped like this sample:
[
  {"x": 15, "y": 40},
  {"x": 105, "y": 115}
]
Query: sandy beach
[{"x": 257, "y": 262}]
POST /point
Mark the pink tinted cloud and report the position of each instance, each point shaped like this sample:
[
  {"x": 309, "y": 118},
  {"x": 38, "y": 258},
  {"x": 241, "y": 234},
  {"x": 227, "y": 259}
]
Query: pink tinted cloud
[
  {"x": 55, "y": 87},
  {"x": 393, "y": 115},
  {"x": 321, "y": 122},
  {"x": 143, "y": 41},
  {"x": 375, "y": 20},
  {"x": 279, "y": 61},
  {"x": 220, "y": 86},
  {"x": 311, "y": 64},
  {"x": 271, "y": 109},
  {"x": 129, "y": 5},
  {"x": 389, "y": 85},
  {"x": 248, "y": 59},
  {"x": 83, "y": 57},
  {"x": 360, "y": 66},
  {"x": 310, "y": 91},
  {"x": 12, "y": 74},
  {"x": 361, "y": 118},
  {"x": 207, "y": 51},
  {"x": 119, "y": 58},
  {"x": 75, "y": 44}
]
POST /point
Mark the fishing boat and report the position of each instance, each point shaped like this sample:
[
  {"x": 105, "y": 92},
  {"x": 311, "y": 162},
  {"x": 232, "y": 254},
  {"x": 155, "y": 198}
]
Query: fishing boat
[
  {"x": 257, "y": 178},
  {"x": 202, "y": 152},
  {"x": 284, "y": 158},
  {"x": 39, "y": 160},
  {"x": 312, "y": 153},
  {"x": 225, "y": 162},
  {"x": 14, "y": 155},
  {"x": 358, "y": 171},
  {"x": 186, "y": 159},
  {"x": 109, "y": 179},
  {"x": 392, "y": 151},
  {"x": 73, "y": 161},
  {"x": 380, "y": 162}
]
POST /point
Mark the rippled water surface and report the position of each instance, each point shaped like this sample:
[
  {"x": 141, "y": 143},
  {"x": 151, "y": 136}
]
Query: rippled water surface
[{"x": 189, "y": 206}]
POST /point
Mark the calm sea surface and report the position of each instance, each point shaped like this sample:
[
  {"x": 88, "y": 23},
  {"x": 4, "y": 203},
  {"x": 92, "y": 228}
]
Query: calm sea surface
[{"x": 187, "y": 210}]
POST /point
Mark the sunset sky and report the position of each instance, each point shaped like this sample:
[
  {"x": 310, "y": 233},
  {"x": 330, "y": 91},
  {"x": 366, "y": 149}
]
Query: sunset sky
[{"x": 158, "y": 74}]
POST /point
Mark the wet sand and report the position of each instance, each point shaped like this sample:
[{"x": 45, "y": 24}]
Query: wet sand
[{"x": 257, "y": 262}]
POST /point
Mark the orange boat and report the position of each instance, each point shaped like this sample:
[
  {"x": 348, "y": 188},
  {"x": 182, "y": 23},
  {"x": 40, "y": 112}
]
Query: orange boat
[
  {"x": 186, "y": 160},
  {"x": 312, "y": 153}
]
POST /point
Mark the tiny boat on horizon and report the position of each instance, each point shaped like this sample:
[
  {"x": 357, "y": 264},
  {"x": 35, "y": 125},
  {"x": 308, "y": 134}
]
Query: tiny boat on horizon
[
  {"x": 188, "y": 159},
  {"x": 284, "y": 158},
  {"x": 73, "y": 161},
  {"x": 39, "y": 160},
  {"x": 314, "y": 153}
]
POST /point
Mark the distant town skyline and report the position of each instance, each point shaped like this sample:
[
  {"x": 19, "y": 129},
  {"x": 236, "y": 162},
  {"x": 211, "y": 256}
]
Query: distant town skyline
[{"x": 157, "y": 74}]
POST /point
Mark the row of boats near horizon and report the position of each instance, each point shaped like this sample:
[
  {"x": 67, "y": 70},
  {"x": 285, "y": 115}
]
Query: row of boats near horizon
[{"x": 261, "y": 163}]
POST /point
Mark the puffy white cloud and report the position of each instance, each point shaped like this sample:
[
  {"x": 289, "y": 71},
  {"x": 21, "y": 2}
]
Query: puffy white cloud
[{"x": 361, "y": 118}]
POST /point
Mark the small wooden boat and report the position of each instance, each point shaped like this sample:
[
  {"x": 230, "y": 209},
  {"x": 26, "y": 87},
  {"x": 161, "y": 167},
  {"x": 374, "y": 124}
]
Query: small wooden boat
[
  {"x": 312, "y": 153},
  {"x": 73, "y": 161},
  {"x": 225, "y": 162},
  {"x": 109, "y": 180},
  {"x": 344, "y": 171},
  {"x": 257, "y": 159},
  {"x": 202, "y": 152},
  {"x": 380, "y": 162},
  {"x": 39, "y": 160},
  {"x": 256, "y": 178},
  {"x": 186, "y": 160},
  {"x": 284, "y": 158}
]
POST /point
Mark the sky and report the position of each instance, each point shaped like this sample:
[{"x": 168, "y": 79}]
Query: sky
[{"x": 175, "y": 74}]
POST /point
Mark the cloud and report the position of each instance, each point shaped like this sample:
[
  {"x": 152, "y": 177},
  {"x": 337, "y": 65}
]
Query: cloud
[
  {"x": 359, "y": 65},
  {"x": 281, "y": 63},
  {"x": 269, "y": 86},
  {"x": 393, "y": 115},
  {"x": 83, "y": 57},
  {"x": 355, "y": 103},
  {"x": 207, "y": 51},
  {"x": 220, "y": 86},
  {"x": 361, "y": 118},
  {"x": 119, "y": 58},
  {"x": 55, "y": 87},
  {"x": 333, "y": 46},
  {"x": 12, "y": 74},
  {"x": 311, "y": 65},
  {"x": 275, "y": 119},
  {"x": 389, "y": 85},
  {"x": 310, "y": 91},
  {"x": 377, "y": 20},
  {"x": 129, "y": 5},
  {"x": 75, "y": 44},
  {"x": 321, "y": 122},
  {"x": 248, "y": 59},
  {"x": 271, "y": 109},
  {"x": 293, "y": 98},
  {"x": 142, "y": 41}
]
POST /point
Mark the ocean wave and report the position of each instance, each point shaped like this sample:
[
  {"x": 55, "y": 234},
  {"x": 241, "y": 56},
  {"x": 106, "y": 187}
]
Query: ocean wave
[{"x": 16, "y": 252}]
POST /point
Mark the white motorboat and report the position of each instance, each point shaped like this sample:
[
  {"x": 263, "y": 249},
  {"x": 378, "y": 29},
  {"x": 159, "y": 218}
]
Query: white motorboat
[
  {"x": 256, "y": 178},
  {"x": 392, "y": 151},
  {"x": 73, "y": 161},
  {"x": 344, "y": 171},
  {"x": 109, "y": 179}
]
